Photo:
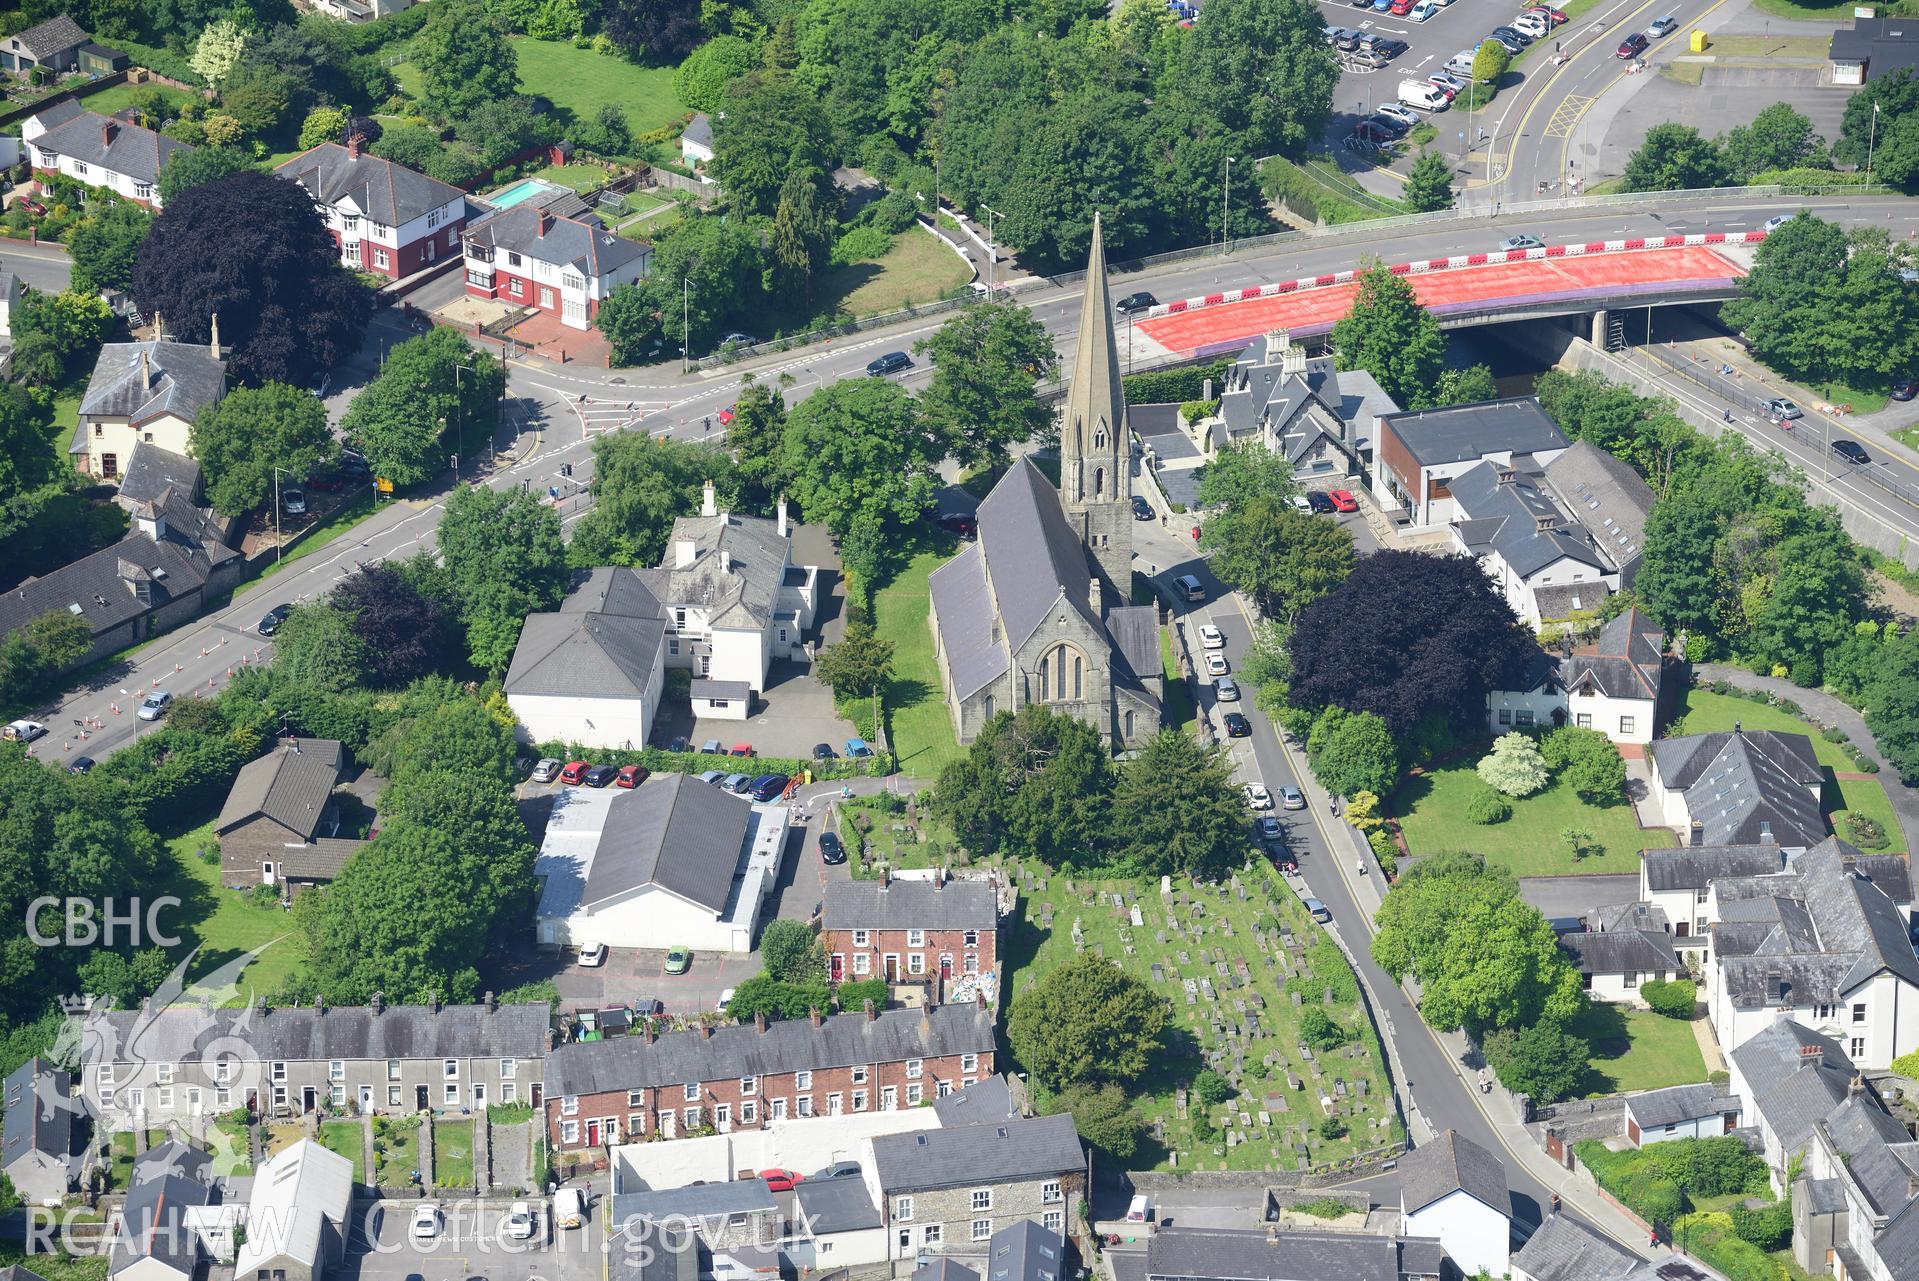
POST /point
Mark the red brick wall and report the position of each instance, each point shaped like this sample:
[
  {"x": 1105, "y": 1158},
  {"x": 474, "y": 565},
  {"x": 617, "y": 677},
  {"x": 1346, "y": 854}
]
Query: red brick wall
[
  {"x": 672, "y": 1098},
  {"x": 409, "y": 257},
  {"x": 881, "y": 943}
]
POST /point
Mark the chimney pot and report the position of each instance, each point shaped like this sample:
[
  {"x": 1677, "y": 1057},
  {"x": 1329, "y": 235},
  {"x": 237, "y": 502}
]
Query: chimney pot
[
  {"x": 433, "y": 1001},
  {"x": 319, "y": 1005},
  {"x": 814, "y": 1015},
  {"x": 871, "y": 1013},
  {"x": 1857, "y": 1085},
  {"x": 979, "y": 1001},
  {"x": 491, "y": 1002},
  {"x": 213, "y": 340},
  {"x": 108, "y": 130},
  {"x": 546, "y": 223},
  {"x": 353, "y": 146},
  {"x": 1697, "y": 834},
  {"x": 886, "y": 880},
  {"x": 708, "y": 504},
  {"x": 759, "y": 1022},
  {"x": 646, "y": 1029}
]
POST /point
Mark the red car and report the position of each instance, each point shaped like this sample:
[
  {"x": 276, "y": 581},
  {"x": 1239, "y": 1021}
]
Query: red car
[
  {"x": 1555, "y": 16},
  {"x": 630, "y": 776},
  {"x": 575, "y": 773},
  {"x": 1402, "y": 7},
  {"x": 726, "y": 416},
  {"x": 1343, "y": 501},
  {"x": 781, "y": 1180},
  {"x": 740, "y": 749}
]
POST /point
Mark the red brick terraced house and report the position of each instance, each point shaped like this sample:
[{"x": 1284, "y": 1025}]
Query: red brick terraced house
[
  {"x": 386, "y": 218},
  {"x": 532, "y": 257},
  {"x": 748, "y": 1075},
  {"x": 911, "y": 931}
]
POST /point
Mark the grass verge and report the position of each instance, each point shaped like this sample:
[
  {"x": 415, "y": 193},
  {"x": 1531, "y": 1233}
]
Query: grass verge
[
  {"x": 920, "y": 728},
  {"x": 328, "y": 528},
  {"x": 1431, "y": 809}
]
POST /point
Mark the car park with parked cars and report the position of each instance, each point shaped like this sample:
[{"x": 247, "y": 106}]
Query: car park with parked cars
[{"x": 546, "y": 771}]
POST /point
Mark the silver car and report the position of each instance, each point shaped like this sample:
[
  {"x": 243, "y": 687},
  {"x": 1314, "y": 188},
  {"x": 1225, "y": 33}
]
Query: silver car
[
  {"x": 155, "y": 705},
  {"x": 1291, "y": 799}
]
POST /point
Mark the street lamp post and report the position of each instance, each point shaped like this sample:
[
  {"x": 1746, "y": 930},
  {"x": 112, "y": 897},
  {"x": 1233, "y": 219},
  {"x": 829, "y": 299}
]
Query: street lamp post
[
  {"x": 686, "y": 320},
  {"x": 279, "y": 545},
  {"x": 1226, "y": 207},
  {"x": 992, "y": 252},
  {"x": 1872, "y": 135}
]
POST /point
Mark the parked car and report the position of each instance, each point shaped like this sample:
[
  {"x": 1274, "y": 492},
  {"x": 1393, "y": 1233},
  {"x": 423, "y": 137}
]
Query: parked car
[
  {"x": 1388, "y": 48},
  {"x": 736, "y": 783},
  {"x": 1237, "y": 726},
  {"x": 1531, "y": 24},
  {"x": 1906, "y": 390},
  {"x": 964, "y": 524},
  {"x": 1400, "y": 8},
  {"x": 1271, "y": 831},
  {"x": 1423, "y": 10},
  {"x": 1257, "y": 797},
  {"x": 293, "y": 501},
  {"x": 1372, "y": 134},
  {"x": 1446, "y": 80},
  {"x": 1343, "y": 501},
  {"x": 24, "y": 731},
  {"x": 857, "y": 749},
  {"x": 1399, "y": 111},
  {"x": 832, "y": 849},
  {"x": 1522, "y": 241},
  {"x": 1290, "y": 799},
  {"x": 1226, "y": 690},
  {"x": 1662, "y": 27},
  {"x": 767, "y": 787},
  {"x": 1394, "y": 127},
  {"x": 678, "y": 961},
  {"x": 1210, "y": 637},
  {"x": 1317, "y": 910},
  {"x": 427, "y": 1222},
  {"x": 575, "y": 773},
  {"x": 1632, "y": 46},
  {"x": 713, "y": 777},
  {"x": 155, "y": 705},
  {"x": 1215, "y": 663},
  {"x": 1851, "y": 450},
  {"x": 81, "y": 765},
  {"x": 1140, "y": 300},
  {"x": 740, "y": 749},
  {"x": 601, "y": 775},
  {"x": 1555, "y": 16},
  {"x": 1775, "y": 222},
  {"x": 519, "y": 1221},
  {"x": 1781, "y": 410},
  {"x": 892, "y": 362},
  {"x": 547, "y": 770},
  {"x": 271, "y": 620},
  {"x": 1350, "y": 40},
  {"x": 823, "y": 752},
  {"x": 34, "y": 207},
  {"x": 1142, "y": 510},
  {"x": 781, "y": 1180},
  {"x": 1320, "y": 501},
  {"x": 1511, "y": 35},
  {"x": 738, "y": 340},
  {"x": 1512, "y": 43},
  {"x": 838, "y": 1170},
  {"x": 631, "y": 776},
  {"x": 592, "y": 956}
]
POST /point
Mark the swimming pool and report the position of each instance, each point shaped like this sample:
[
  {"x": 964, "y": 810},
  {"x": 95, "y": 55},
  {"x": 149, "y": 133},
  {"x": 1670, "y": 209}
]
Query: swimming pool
[{"x": 523, "y": 190}]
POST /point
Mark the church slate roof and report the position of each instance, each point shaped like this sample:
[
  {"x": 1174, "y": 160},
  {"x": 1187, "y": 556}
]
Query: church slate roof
[
  {"x": 963, "y": 603},
  {"x": 1604, "y": 495}
]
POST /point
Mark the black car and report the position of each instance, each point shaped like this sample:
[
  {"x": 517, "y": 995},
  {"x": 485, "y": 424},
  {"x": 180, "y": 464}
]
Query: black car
[
  {"x": 1389, "y": 48},
  {"x": 1397, "y": 128},
  {"x": 1131, "y": 303},
  {"x": 1320, "y": 501},
  {"x": 892, "y": 362},
  {"x": 1851, "y": 450},
  {"x": 600, "y": 775},
  {"x": 1906, "y": 390},
  {"x": 768, "y": 786},
  {"x": 965, "y": 524},
  {"x": 1142, "y": 510},
  {"x": 1237, "y": 726},
  {"x": 833, "y": 854},
  {"x": 270, "y": 622},
  {"x": 80, "y": 765},
  {"x": 1513, "y": 34},
  {"x": 823, "y": 752}
]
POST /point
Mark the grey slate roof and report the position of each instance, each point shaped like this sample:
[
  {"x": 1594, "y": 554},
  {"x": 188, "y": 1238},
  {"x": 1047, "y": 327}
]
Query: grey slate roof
[
  {"x": 181, "y": 379},
  {"x": 1794, "y": 1075},
  {"x": 1885, "y": 43},
  {"x": 1023, "y": 1251},
  {"x": 38, "y": 1115},
  {"x": 992, "y": 1152},
  {"x": 719, "y": 689},
  {"x": 702, "y": 1201},
  {"x": 1631, "y": 916},
  {"x": 1514, "y": 518},
  {"x": 968, "y": 623},
  {"x": 841, "y": 1040},
  {"x": 1854, "y": 915},
  {"x": 1451, "y": 1164},
  {"x": 943, "y": 1268},
  {"x": 1604, "y": 495},
  {"x": 1515, "y": 425},
  {"x": 1031, "y": 553},
  {"x": 1697, "y": 868},
  {"x": 174, "y": 1157},
  {"x": 672, "y": 831},
  {"x": 988, "y": 1099},
  {"x": 113, "y": 145},
  {"x": 835, "y": 1205},
  {"x": 154, "y": 1226},
  {"x": 1621, "y": 952},
  {"x": 1135, "y": 633},
  {"x": 616, "y": 590},
  {"x": 99, "y": 587},
  {"x": 574, "y": 655},
  {"x": 699, "y": 130},
  {"x": 1745, "y": 784},
  {"x": 15, "y": 1272},
  {"x": 305, "y": 1034},
  {"x": 54, "y": 36},
  {"x": 151, "y": 471},
  {"x": 564, "y": 242},
  {"x": 290, "y": 785},
  {"x": 1566, "y": 1249},
  {"x": 1890, "y": 872},
  {"x": 1678, "y": 1103},
  {"x": 1226, "y": 1254},
  {"x": 748, "y": 589},
  {"x": 910, "y": 905},
  {"x": 382, "y": 190},
  {"x": 1624, "y": 661}
]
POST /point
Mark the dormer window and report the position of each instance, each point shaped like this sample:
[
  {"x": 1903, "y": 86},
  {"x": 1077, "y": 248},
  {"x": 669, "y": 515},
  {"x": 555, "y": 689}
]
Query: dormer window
[{"x": 352, "y": 222}]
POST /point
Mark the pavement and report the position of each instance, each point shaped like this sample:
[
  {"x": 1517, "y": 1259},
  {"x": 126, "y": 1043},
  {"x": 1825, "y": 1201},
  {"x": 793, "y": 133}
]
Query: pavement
[{"x": 553, "y": 412}]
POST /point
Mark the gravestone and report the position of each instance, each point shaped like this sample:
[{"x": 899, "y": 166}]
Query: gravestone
[{"x": 1159, "y": 975}]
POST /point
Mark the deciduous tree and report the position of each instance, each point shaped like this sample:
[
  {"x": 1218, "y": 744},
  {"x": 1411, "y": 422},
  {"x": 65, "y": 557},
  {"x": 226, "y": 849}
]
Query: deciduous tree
[
  {"x": 1353, "y": 754},
  {"x": 401, "y": 632},
  {"x": 771, "y": 125},
  {"x": 1391, "y": 336},
  {"x": 1105, "y": 1117},
  {"x": 640, "y": 485},
  {"x": 988, "y": 362},
  {"x": 506, "y": 559},
  {"x": 188, "y": 169},
  {"x": 657, "y": 32},
  {"x": 1283, "y": 558},
  {"x": 1544, "y": 1061},
  {"x": 857, "y": 665},
  {"x": 103, "y": 247},
  {"x": 244, "y": 437},
  {"x": 1087, "y": 1022},
  {"x": 433, "y": 391},
  {"x": 1242, "y": 472},
  {"x": 218, "y": 51},
  {"x": 1261, "y": 68},
  {"x": 1779, "y": 137},
  {"x": 792, "y": 953},
  {"x": 861, "y": 446},
  {"x": 464, "y": 60},
  {"x": 1675, "y": 157},
  {"x": 1514, "y": 766}
]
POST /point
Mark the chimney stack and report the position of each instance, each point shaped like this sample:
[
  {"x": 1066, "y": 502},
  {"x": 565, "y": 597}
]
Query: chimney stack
[
  {"x": 646, "y": 1028},
  {"x": 685, "y": 552},
  {"x": 379, "y": 1002},
  {"x": 1765, "y": 833},
  {"x": 109, "y": 130},
  {"x": 726, "y": 561},
  {"x": 759, "y": 1022},
  {"x": 146, "y": 371},
  {"x": 1856, "y": 1086},
  {"x": 979, "y": 1002},
  {"x": 871, "y": 1013},
  {"x": 813, "y": 1015},
  {"x": 546, "y": 223},
  {"x": 886, "y": 880},
  {"x": 353, "y": 146},
  {"x": 1696, "y": 836},
  {"x": 491, "y": 1002},
  {"x": 213, "y": 342},
  {"x": 782, "y": 512},
  {"x": 706, "y": 1031},
  {"x": 708, "y": 505}
]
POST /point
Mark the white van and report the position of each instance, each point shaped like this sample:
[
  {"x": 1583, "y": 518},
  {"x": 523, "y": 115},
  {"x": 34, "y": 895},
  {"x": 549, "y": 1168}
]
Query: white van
[
  {"x": 569, "y": 1208},
  {"x": 1189, "y": 587},
  {"x": 1461, "y": 63},
  {"x": 1418, "y": 93},
  {"x": 1139, "y": 1210}
]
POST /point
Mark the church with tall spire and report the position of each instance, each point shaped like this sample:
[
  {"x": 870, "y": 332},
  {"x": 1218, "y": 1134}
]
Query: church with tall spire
[{"x": 1038, "y": 608}]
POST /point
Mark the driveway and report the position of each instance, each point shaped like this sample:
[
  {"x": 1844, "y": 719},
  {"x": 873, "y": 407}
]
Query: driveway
[
  {"x": 792, "y": 714},
  {"x": 473, "y": 1246}
]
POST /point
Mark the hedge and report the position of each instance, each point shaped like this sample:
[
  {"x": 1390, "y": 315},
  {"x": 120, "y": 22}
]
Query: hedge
[
  {"x": 1712, "y": 1239},
  {"x": 1654, "y": 1182},
  {"x": 661, "y": 762},
  {"x": 1677, "y": 999},
  {"x": 1769, "y": 1226},
  {"x": 1173, "y": 386}
]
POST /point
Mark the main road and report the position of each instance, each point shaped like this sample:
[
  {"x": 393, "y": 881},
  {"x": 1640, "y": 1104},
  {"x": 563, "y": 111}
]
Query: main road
[{"x": 556, "y": 411}]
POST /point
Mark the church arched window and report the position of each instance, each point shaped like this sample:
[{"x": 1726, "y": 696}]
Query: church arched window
[
  {"x": 1099, "y": 438},
  {"x": 1099, "y": 482},
  {"x": 1129, "y": 725},
  {"x": 1045, "y": 669},
  {"x": 1078, "y": 671},
  {"x": 989, "y": 707}
]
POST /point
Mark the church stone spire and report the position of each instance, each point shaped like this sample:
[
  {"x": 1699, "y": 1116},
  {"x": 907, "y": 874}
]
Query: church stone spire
[{"x": 1095, "y": 449}]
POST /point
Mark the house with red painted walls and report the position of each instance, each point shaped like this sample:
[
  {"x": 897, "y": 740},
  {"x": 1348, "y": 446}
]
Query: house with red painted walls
[
  {"x": 529, "y": 256},
  {"x": 386, "y": 218}
]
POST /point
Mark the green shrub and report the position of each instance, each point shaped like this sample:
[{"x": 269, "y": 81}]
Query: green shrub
[
  {"x": 1211, "y": 1089},
  {"x": 1487, "y": 807},
  {"x": 1332, "y": 1128},
  {"x": 1769, "y": 1226},
  {"x": 1676, "y": 999},
  {"x": 861, "y": 244},
  {"x": 1173, "y": 386},
  {"x": 1324, "y": 1208},
  {"x": 1194, "y": 410},
  {"x": 1834, "y": 735},
  {"x": 1865, "y": 833},
  {"x": 1318, "y": 1029}
]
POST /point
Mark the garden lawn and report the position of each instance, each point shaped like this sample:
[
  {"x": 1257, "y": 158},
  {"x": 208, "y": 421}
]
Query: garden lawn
[
  {"x": 1206, "y": 928},
  {"x": 917, "y": 269},
  {"x": 278, "y": 1136},
  {"x": 919, "y": 726},
  {"x": 121, "y": 96},
  {"x": 582, "y": 81},
  {"x": 396, "y": 1150},
  {"x": 453, "y": 1153},
  {"x": 225, "y": 924},
  {"x": 1638, "y": 1050},
  {"x": 580, "y": 177},
  {"x": 348, "y": 1139},
  {"x": 1865, "y": 797},
  {"x": 1704, "y": 711},
  {"x": 1431, "y": 809}
]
